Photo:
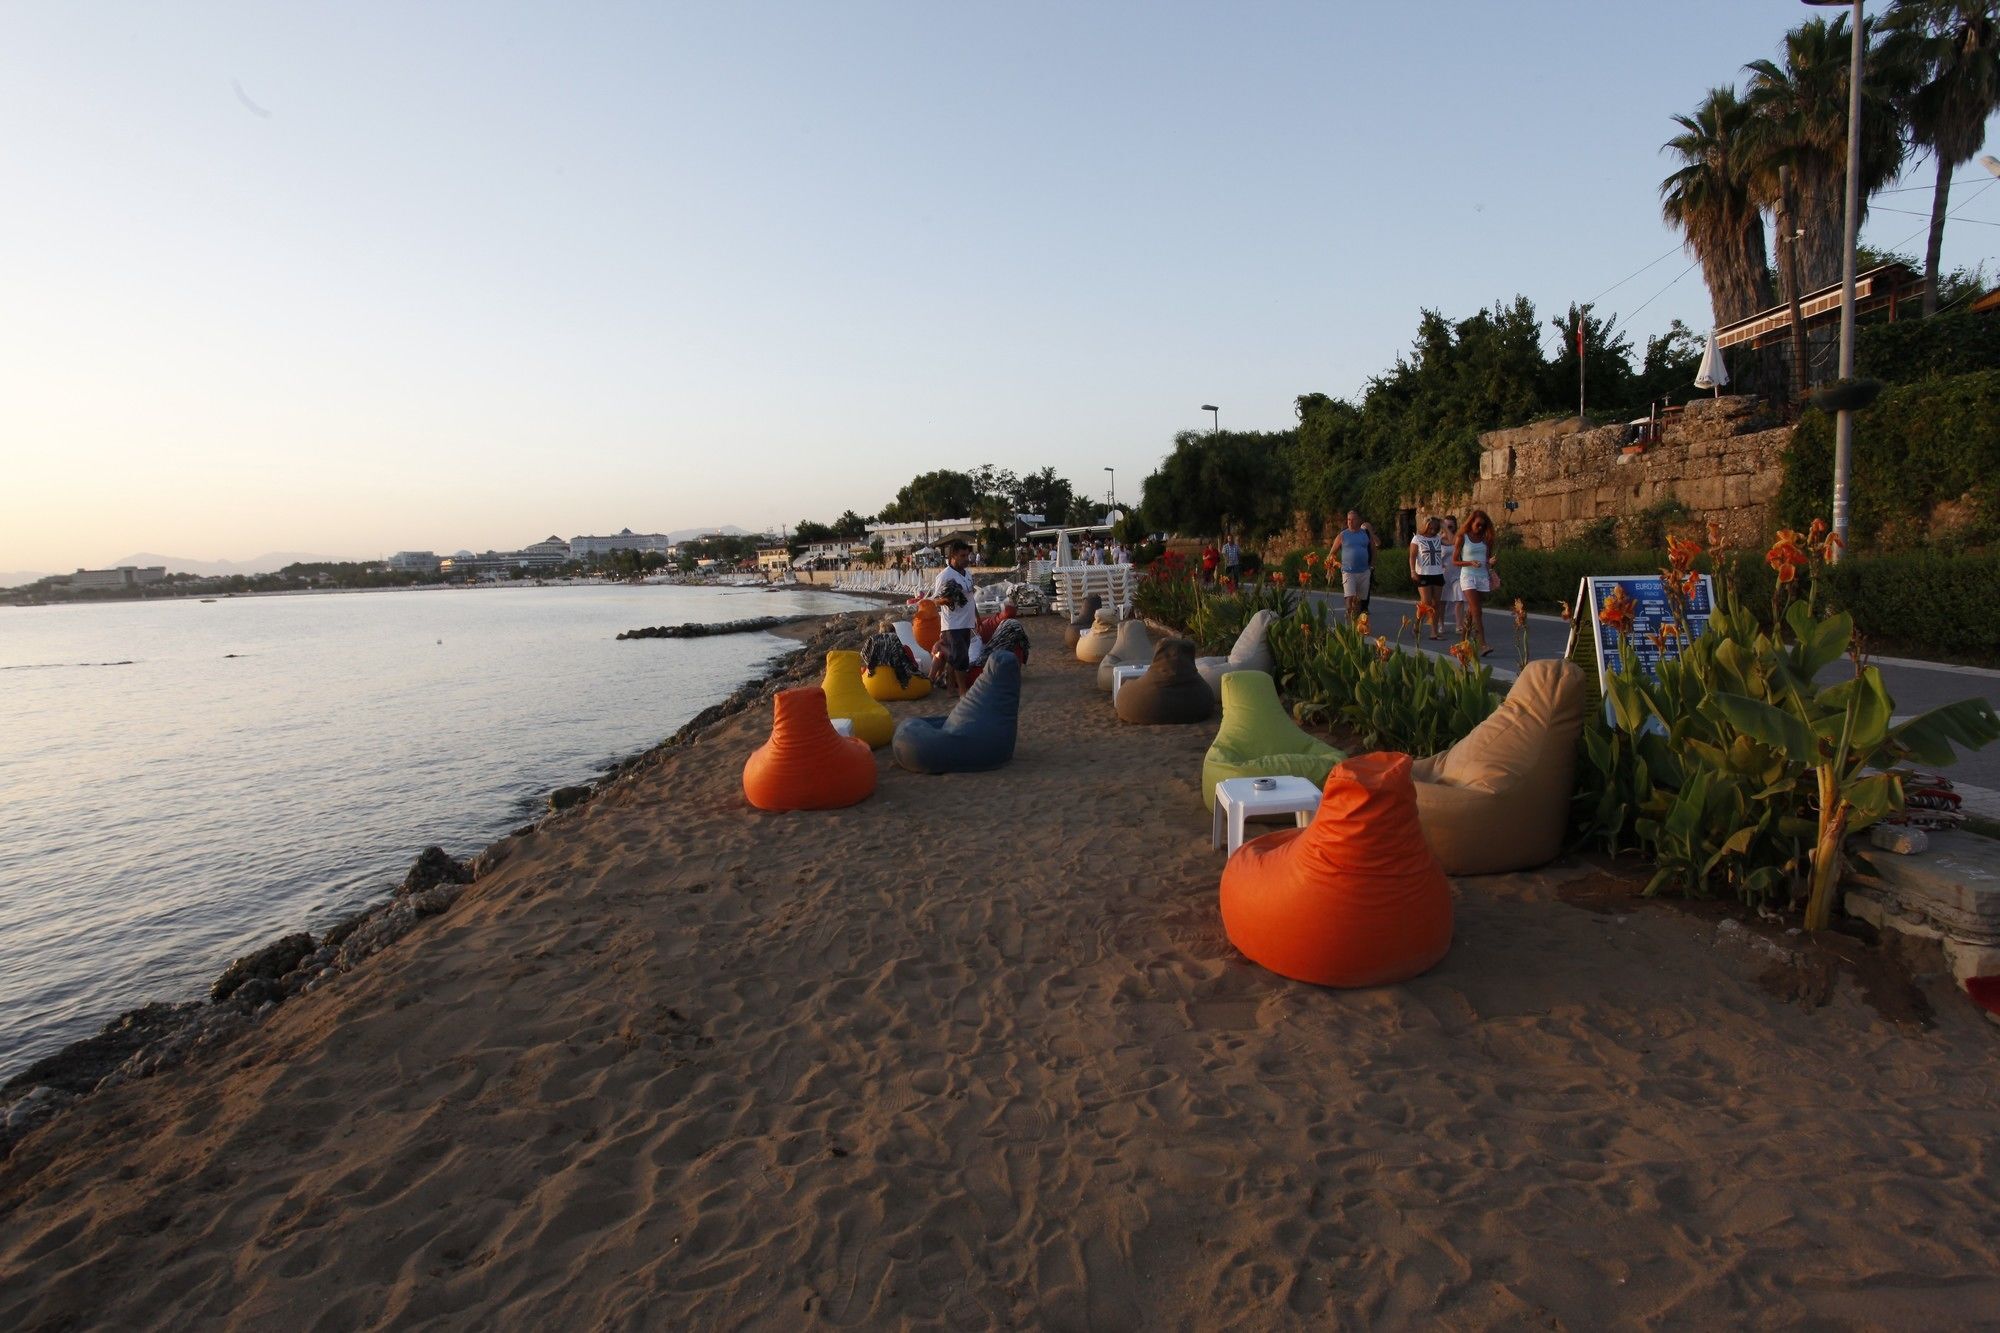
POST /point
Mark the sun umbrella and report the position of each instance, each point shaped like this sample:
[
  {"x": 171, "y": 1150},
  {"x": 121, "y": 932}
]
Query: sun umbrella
[{"x": 1713, "y": 374}]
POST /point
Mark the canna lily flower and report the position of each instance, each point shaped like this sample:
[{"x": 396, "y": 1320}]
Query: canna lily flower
[
  {"x": 1617, "y": 609},
  {"x": 1361, "y": 624},
  {"x": 1715, "y": 541},
  {"x": 1829, "y": 546},
  {"x": 1520, "y": 613},
  {"x": 1681, "y": 554},
  {"x": 1816, "y": 533},
  {"x": 1464, "y": 652},
  {"x": 1312, "y": 557},
  {"x": 1786, "y": 555},
  {"x": 1305, "y": 577},
  {"x": 1567, "y": 613},
  {"x": 1382, "y": 648}
]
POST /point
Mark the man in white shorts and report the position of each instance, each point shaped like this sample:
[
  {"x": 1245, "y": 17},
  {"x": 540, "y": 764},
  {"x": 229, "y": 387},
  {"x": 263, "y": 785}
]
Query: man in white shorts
[{"x": 1357, "y": 564}]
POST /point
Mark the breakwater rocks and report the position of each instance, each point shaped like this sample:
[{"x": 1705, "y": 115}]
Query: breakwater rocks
[
  {"x": 158, "y": 1037},
  {"x": 751, "y": 626}
]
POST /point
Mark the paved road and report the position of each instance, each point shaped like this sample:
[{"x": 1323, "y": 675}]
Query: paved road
[{"x": 1915, "y": 686}]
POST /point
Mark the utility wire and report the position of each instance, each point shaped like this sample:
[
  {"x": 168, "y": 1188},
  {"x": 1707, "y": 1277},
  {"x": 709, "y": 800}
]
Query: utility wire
[
  {"x": 1629, "y": 276},
  {"x": 1662, "y": 292}
]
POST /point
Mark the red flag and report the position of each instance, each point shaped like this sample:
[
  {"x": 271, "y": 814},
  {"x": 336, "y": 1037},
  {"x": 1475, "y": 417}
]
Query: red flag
[{"x": 1579, "y": 337}]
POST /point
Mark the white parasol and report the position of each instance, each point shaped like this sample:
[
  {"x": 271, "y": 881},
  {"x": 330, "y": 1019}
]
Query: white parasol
[{"x": 1713, "y": 373}]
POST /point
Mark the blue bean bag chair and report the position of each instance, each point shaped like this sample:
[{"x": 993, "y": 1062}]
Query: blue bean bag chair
[{"x": 977, "y": 734}]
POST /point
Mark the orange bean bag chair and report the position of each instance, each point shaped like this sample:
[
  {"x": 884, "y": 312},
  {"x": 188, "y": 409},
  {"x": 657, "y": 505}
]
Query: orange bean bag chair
[
  {"x": 1354, "y": 899},
  {"x": 847, "y": 696},
  {"x": 807, "y": 765},
  {"x": 927, "y": 625}
]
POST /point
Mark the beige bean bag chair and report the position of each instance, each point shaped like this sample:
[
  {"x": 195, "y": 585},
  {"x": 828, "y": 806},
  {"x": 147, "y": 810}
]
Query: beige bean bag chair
[
  {"x": 1499, "y": 799},
  {"x": 1091, "y": 648},
  {"x": 1251, "y": 653},
  {"x": 1132, "y": 647}
]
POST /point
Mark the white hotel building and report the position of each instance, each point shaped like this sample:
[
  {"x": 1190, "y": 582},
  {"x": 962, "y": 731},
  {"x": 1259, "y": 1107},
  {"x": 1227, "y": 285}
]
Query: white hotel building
[{"x": 582, "y": 548}]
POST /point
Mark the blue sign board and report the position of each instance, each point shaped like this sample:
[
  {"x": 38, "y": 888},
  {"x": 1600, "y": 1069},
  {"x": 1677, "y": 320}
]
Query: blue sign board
[{"x": 1649, "y": 641}]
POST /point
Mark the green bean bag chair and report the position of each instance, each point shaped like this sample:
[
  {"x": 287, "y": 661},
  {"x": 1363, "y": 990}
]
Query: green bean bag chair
[
  {"x": 1132, "y": 647},
  {"x": 1259, "y": 740}
]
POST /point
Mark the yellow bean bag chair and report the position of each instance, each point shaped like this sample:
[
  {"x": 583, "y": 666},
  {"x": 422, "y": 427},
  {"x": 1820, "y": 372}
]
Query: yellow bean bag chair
[
  {"x": 1258, "y": 739},
  {"x": 847, "y": 696},
  {"x": 1499, "y": 799},
  {"x": 882, "y": 687},
  {"x": 1091, "y": 648}
]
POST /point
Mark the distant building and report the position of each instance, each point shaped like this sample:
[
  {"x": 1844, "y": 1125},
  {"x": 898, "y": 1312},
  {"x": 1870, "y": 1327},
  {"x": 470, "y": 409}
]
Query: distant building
[
  {"x": 902, "y": 536},
  {"x": 539, "y": 557},
  {"x": 582, "y": 548},
  {"x": 125, "y": 576},
  {"x": 546, "y": 553},
  {"x": 417, "y": 562}
]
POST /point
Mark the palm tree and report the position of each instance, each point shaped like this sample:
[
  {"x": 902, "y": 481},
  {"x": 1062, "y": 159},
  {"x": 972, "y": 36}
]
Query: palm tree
[
  {"x": 1800, "y": 108},
  {"x": 1709, "y": 198},
  {"x": 1950, "y": 53}
]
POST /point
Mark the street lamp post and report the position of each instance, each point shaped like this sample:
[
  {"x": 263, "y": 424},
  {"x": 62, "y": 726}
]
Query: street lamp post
[
  {"x": 1211, "y": 407},
  {"x": 1843, "y": 427},
  {"x": 1112, "y": 494}
]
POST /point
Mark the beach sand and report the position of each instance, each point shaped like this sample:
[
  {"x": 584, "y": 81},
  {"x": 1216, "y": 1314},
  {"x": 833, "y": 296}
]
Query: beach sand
[{"x": 976, "y": 1053}]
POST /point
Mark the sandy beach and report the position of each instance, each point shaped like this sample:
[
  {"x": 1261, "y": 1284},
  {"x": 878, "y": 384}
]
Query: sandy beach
[{"x": 976, "y": 1053}]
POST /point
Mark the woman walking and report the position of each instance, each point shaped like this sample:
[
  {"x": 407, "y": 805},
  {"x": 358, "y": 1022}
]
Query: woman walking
[
  {"x": 1473, "y": 557},
  {"x": 1427, "y": 557}
]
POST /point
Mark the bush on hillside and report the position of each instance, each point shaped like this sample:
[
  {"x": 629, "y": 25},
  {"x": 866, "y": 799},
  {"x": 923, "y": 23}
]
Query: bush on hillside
[
  {"x": 1935, "y": 348},
  {"x": 1923, "y": 444}
]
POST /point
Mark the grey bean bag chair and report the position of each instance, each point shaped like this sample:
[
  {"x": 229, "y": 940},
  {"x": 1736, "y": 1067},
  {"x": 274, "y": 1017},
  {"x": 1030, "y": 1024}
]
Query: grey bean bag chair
[
  {"x": 1171, "y": 691},
  {"x": 1091, "y": 648},
  {"x": 1079, "y": 624},
  {"x": 1251, "y": 653},
  {"x": 979, "y": 731},
  {"x": 1132, "y": 647}
]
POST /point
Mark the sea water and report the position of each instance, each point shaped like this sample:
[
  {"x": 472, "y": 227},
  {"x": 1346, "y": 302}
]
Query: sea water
[{"x": 183, "y": 781}]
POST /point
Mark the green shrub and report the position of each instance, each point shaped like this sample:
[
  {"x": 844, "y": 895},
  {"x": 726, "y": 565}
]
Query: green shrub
[
  {"x": 1922, "y": 444},
  {"x": 1920, "y": 602},
  {"x": 1917, "y": 349},
  {"x": 1648, "y": 529}
]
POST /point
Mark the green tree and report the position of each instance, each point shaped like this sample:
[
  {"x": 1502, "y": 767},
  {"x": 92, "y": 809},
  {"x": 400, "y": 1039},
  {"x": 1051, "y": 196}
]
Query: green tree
[
  {"x": 932, "y": 496},
  {"x": 1947, "y": 52},
  {"x": 1046, "y": 494},
  {"x": 1215, "y": 481},
  {"x": 850, "y": 527}
]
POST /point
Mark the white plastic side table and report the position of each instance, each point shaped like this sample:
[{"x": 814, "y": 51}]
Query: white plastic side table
[
  {"x": 1237, "y": 799},
  {"x": 1121, "y": 674},
  {"x": 844, "y": 725}
]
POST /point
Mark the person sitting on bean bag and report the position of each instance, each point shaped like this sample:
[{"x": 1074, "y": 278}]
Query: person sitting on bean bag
[
  {"x": 847, "y": 696},
  {"x": 1356, "y": 898},
  {"x": 1091, "y": 648},
  {"x": 806, "y": 764},
  {"x": 1133, "y": 646},
  {"x": 1258, "y": 739},
  {"x": 1171, "y": 691},
  {"x": 889, "y": 671},
  {"x": 979, "y": 731},
  {"x": 989, "y": 624},
  {"x": 1080, "y": 623}
]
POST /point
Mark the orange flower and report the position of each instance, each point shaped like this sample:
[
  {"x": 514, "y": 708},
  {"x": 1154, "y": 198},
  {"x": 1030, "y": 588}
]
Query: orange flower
[
  {"x": 1715, "y": 535},
  {"x": 1382, "y": 648},
  {"x": 1617, "y": 609},
  {"x": 1816, "y": 532},
  {"x": 1567, "y": 613},
  {"x": 1833, "y": 543},
  {"x": 1464, "y": 652},
  {"x": 1312, "y": 557},
  {"x": 1520, "y": 613},
  {"x": 1361, "y": 622},
  {"x": 1305, "y": 577},
  {"x": 1786, "y": 555},
  {"x": 1278, "y": 577},
  {"x": 1681, "y": 553}
]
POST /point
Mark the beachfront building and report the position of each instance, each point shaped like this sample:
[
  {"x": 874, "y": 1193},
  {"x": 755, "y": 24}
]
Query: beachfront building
[
  {"x": 414, "y": 562},
  {"x": 547, "y": 553},
  {"x": 906, "y": 536},
  {"x": 582, "y": 548},
  {"x": 774, "y": 560},
  {"x": 539, "y": 558},
  {"x": 125, "y": 576}
]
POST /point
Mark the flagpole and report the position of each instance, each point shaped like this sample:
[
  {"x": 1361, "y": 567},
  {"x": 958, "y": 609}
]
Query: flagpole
[{"x": 1580, "y": 420}]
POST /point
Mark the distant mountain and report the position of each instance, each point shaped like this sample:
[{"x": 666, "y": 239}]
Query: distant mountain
[
  {"x": 689, "y": 534},
  {"x": 262, "y": 564}
]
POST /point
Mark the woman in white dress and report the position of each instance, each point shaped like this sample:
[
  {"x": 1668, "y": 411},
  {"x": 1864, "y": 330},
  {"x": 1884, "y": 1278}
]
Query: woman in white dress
[
  {"x": 1454, "y": 596},
  {"x": 1473, "y": 557}
]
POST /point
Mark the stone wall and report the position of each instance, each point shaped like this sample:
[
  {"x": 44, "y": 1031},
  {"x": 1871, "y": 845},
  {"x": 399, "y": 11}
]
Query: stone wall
[{"x": 1720, "y": 457}]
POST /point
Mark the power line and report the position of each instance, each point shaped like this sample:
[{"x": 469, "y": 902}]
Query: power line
[
  {"x": 1912, "y": 189},
  {"x": 1910, "y": 213},
  {"x": 1662, "y": 292},
  {"x": 1629, "y": 276}
]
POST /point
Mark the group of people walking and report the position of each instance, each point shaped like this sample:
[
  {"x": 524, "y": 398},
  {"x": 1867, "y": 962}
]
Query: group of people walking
[{"x": 1455, "y": 568}]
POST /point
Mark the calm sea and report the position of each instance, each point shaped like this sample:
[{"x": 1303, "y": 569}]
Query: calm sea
[{"x": 183, "y": 781}]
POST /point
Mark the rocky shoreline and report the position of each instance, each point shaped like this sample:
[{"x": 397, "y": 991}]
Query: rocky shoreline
[
  {"x": 756, "y": 624},
  {"x": 160, "y": 1036}
]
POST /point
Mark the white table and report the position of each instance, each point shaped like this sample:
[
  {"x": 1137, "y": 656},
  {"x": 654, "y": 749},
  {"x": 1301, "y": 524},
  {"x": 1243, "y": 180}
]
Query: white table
[
  {"x": 1237, "y": 799},
  {"x": 1121, "y": 674},
  {"x": 844, "y": 725}
]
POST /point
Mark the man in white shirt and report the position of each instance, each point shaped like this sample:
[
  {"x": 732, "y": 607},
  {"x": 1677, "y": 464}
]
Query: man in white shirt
[{"x": 953, "y": 592}]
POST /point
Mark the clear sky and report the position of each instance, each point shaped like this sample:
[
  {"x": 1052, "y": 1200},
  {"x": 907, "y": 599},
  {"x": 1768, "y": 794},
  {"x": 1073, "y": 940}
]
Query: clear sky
[{"x": 354, "y": 277}]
